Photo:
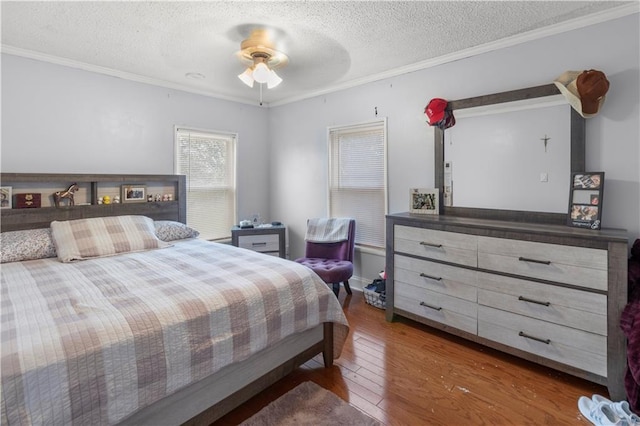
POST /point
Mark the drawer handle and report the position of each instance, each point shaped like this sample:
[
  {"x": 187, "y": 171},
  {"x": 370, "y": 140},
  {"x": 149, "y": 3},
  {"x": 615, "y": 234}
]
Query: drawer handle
[
  {"x": 524, "y": 299},
  {"x": 437, "y": 308},
  {"x": 258, "y": 244},
  {"x": 422, "y": 274},
  {"x": 537, "y": 339},
  {"x": 544, "y": 262},
  {"x": 424, "y": 243}
]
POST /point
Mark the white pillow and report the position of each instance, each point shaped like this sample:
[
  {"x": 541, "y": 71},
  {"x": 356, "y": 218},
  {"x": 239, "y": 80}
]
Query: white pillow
[
  {"x": 103, "y": 236},
  {"x": 169, "y": 230},
  {"x": 29, "y": 244}
]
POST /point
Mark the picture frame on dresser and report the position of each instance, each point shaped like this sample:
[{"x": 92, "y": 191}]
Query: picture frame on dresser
[
  {"x": 5, "y": 194},
  {"x": 585, "y": 200},
  {"x": 424, "y": 200}
]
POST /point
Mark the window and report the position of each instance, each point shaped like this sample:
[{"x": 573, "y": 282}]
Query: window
[
  {"x": 357, "y": 178},
  {"x": 208, "y": 160}
]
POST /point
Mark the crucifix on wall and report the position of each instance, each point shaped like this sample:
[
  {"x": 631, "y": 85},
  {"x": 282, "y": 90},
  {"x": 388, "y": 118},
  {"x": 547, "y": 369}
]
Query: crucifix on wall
[{"x": 545, "y": 140}]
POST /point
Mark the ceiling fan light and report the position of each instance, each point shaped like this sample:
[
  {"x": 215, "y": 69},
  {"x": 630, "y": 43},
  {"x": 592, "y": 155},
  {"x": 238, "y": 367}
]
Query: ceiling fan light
[
  {"x": 273, "y": 80},
  {"x": 261, "y": 72},
  {"x": 246, "y": 77}
]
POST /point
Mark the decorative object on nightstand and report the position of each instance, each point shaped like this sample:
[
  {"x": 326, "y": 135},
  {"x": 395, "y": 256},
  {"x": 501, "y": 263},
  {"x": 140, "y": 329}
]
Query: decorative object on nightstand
[
  {"x": 264, "y": 239},
  {"x": 244, "y": 224},
  {"x": 585, "y": 200}
]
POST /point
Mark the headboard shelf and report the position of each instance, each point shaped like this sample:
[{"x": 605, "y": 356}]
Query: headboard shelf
[{"x": 93, "y": 186}]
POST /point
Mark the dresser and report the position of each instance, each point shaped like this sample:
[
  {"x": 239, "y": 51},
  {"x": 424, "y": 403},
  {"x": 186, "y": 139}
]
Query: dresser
[
  {"x": 269, "y": 240},
  {"x": 551, "y": 294}
]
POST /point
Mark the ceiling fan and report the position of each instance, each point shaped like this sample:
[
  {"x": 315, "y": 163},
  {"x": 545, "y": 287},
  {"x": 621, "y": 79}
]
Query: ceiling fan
[{"x": 261, "y": 57}]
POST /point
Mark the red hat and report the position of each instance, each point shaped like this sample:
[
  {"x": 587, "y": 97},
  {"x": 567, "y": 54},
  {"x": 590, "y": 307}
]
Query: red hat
[
  {"x": 435, "y": 110},
  {"x": 592, "y": 86},
  {"x": 448, "y": 121}
]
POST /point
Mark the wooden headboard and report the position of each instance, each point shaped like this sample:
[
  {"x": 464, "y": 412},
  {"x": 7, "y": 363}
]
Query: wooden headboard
[{"x": 91, "y": 188}]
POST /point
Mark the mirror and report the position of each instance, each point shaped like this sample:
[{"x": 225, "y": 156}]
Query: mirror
[{"x": 496, "y": 160}]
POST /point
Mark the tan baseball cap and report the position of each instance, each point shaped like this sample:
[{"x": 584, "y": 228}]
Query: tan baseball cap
[{"x": 584, "y": 90}]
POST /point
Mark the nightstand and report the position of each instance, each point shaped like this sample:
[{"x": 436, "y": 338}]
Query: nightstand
[{"x": 268, "y": 240}]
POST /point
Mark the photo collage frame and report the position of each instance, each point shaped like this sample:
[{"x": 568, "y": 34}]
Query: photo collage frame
[{"x": 585, "y": 200}]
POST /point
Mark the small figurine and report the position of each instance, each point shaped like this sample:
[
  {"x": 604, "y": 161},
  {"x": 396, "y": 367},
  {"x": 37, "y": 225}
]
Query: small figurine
[
  {"x": 106, "y": 200},
  {"x": 165, "y": 197},
  {"x": 149, "y": 198},
  {"x": 116, "y": 199},
  {"x": 68, "y": 193},
  {"x": 169, "y": 197},
  {"x": 158, "y": 197}
]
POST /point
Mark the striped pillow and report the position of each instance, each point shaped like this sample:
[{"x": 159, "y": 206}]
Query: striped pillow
[{"x": 103, "y": 236}]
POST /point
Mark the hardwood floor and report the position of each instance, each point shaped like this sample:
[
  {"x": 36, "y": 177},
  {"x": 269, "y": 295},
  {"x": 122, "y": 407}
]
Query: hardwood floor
[{"x": 404, "y": 373}]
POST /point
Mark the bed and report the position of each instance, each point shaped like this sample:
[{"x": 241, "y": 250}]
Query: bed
[{"x": 146, "y": 324}]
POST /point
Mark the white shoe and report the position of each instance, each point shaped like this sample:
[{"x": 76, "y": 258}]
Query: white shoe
[
  {"x": 599, "y": 413},
  {"x": 621, "y": 408}
]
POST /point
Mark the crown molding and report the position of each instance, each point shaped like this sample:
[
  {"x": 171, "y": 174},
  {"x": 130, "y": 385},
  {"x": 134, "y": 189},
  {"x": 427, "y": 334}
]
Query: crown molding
[
  {"x": 573, "y": 24},
  {"x": 30, "y": 54}
]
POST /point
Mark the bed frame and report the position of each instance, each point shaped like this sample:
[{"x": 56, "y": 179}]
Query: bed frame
[{"x": 207, "y": 400}]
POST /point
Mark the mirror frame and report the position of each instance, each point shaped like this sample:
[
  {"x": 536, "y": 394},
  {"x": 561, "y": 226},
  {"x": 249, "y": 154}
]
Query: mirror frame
[{"x": 577, "y": 155}]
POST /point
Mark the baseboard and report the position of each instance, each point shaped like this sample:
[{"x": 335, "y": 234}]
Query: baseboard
[{"x": 358, "y": 283}]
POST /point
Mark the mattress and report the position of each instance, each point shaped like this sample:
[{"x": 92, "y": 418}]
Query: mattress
[{"x": 92, "y": 342}]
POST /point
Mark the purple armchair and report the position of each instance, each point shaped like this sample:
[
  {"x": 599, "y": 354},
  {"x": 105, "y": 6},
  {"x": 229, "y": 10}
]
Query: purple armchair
[{"x": 332, "y": 261}]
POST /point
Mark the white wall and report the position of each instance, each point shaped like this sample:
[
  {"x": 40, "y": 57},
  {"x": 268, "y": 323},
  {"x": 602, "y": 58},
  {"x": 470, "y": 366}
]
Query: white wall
[
  {"x": 298, "y": 130},
  {"x": 57, "y": 119}
]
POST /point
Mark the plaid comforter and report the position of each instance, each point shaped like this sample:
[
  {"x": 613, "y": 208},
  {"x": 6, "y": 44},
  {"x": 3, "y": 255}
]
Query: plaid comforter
[{"x": 92, "y": 342}]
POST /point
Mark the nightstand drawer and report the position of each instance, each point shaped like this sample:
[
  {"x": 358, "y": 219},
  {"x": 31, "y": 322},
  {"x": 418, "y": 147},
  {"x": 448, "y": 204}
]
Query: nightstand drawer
[
  {"x": 263, "y": 239},
  {"x": 261, "y": 243}
]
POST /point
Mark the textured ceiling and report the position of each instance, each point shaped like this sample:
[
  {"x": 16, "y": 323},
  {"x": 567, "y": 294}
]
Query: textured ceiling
[{"x": 330, "y": 44}]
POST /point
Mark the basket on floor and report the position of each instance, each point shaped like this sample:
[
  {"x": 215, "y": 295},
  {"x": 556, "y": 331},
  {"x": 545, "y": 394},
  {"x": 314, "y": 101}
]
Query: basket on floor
[{"x": 374, "y": 299}]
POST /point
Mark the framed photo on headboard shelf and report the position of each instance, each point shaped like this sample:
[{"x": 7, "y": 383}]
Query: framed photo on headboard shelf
[
  {"x": 585, "y": 200},
  {"x": 5, "y": 193}
]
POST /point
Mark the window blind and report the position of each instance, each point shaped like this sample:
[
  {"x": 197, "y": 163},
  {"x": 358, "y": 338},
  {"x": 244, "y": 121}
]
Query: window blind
[
  {"x": 208, "y": 161},
  {"x": 357, "y": 179}
]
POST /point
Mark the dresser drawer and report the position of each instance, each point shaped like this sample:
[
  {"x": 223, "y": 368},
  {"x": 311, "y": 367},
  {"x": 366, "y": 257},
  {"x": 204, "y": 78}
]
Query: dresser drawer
[
  {"x": 437, "y": 277},
  {"x": 566, "y": 345},
  {"x": 450, "y": 311},
  {"x": 584, "y": 267},
  {"x": 439, "y": 245},
  {"x": 262, "y": 243},
  {"x": 574, "y": 308}
]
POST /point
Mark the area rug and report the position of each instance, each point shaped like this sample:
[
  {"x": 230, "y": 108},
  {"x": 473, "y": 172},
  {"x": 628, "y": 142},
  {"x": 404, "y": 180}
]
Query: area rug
[{"x": 309, "y": 404}]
